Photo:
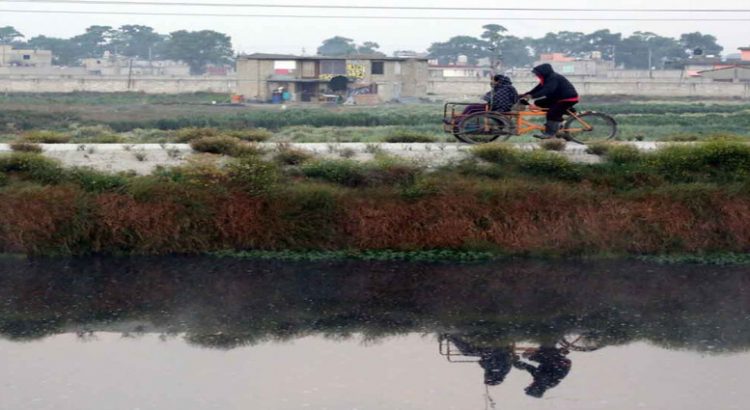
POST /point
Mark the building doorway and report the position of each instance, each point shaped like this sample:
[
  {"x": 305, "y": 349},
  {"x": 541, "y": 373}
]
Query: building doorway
[{"x": 309, "y": 92}]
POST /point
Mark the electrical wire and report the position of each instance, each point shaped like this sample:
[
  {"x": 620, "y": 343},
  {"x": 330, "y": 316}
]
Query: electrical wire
[
  {"x": 362, "y": 17},
  {"x": 356, "y": 7}
]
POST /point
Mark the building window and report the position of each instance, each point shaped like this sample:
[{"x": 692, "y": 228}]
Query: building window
[
  {"x": 333, "y": 67},
  {"x": 27, "y": 57},
  {"x": 309, "y": 69},
  {"x": 378, "y": 68}
]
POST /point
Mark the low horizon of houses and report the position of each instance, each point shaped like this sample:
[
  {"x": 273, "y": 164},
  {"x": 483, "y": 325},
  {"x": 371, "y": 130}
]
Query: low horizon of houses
[{"x": 735, "y": 67}]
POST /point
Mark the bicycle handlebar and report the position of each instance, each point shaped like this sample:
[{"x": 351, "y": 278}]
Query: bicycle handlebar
[{"x": 533, "y": 100}]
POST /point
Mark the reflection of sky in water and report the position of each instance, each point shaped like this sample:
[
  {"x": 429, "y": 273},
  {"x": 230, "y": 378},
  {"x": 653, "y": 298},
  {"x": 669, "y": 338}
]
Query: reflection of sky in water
[
  {"x": 403, "y": 372},
  {"x": 205, "y": 333}
]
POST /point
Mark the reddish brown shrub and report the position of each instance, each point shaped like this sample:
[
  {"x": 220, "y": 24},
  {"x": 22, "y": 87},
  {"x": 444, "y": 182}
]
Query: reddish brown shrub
[{"x": 49, "y": 220}]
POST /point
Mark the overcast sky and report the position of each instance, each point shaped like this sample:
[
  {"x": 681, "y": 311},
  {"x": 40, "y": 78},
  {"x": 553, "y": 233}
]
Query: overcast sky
[{"x": 286, "y": 35}]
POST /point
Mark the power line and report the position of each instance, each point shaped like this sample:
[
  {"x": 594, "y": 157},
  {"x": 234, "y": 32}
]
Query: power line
[
  {"x": 361, "y": 17},
  {"x": 350, "y": 7}
]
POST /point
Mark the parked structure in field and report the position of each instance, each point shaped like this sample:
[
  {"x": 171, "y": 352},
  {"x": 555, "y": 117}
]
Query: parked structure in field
[
  {"x": 365, "y": 79},
  {"x": 10, "y": 57}
]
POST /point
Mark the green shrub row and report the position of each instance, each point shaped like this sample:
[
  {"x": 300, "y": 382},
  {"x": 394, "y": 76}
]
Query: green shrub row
[
  {"x": 623, "y": 168},
  {"x": 720, "y": 161},
  {"x": 354, "y": 174},
  {"x": 36, "y": 168}
]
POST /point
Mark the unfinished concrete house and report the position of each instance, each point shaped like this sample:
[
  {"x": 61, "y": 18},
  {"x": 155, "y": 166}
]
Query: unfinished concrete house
[{"x": 357, "y": 79}]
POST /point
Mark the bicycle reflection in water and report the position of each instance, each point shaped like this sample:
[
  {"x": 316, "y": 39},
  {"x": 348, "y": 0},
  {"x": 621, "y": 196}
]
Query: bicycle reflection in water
[{"x": 547, "y": 364}]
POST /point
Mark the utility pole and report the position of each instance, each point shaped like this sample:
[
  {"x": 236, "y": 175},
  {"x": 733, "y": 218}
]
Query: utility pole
[
  {"x": 614, "y": 56},
  {"x": 130, "y": 74},
  {"x": 650, "y": 67}
]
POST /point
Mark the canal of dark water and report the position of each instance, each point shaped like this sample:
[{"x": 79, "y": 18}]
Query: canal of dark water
[{"x": 207, "y": 333}]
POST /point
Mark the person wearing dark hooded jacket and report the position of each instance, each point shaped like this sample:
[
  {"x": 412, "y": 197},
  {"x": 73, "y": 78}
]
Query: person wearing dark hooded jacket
[
  {"x": 501, "y": 98},
  {"x": 556, "y": 94},
  {"x": 496, "y": 361},
  {"x": 553, "y": 367}
]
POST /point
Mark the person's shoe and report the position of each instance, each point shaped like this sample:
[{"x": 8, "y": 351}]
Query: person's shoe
[{"x": 550, "y": 130}]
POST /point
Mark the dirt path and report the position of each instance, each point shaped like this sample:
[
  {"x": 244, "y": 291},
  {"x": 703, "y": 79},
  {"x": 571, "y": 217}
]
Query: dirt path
[{"x": 144, "y": 158}]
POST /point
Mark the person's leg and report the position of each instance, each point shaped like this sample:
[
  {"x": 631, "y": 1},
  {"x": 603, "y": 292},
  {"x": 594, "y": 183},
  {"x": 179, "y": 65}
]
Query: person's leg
[
  {"x": 521, "y": 365},
  {"x": 554, "y": 119},
  {"x": 471, "y": 109}
]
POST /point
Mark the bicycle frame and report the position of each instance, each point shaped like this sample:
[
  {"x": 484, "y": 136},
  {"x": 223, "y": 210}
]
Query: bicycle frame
[
  {"x": 522, "y": 125},
  {"x": 453, "y": 355}
]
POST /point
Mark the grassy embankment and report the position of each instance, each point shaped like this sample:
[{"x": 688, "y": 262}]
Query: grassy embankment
[
  {"x": 693, "y": 199},
  {"x": 135, "y": 118}
]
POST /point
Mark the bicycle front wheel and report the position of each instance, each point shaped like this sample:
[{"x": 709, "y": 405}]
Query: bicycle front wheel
[
  {"x": 590, "y": 127},
  {"x": 482, "y": 127}
]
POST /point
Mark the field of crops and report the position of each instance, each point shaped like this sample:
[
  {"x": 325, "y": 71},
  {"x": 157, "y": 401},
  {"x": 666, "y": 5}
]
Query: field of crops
[{"x": 147, "y": 118}]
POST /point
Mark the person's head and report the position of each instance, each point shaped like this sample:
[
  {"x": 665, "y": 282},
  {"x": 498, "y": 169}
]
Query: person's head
[
  {"x": 499, "y": 79},
  {"x": 543, "y": 70}
]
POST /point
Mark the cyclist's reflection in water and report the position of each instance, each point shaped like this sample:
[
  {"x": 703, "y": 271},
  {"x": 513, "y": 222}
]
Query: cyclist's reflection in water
[
  {"x": 553, "y": 367},
  {"x": 496, "y": 361}
]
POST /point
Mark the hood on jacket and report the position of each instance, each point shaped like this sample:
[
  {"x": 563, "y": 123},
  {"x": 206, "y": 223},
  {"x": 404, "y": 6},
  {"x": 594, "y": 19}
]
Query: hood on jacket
[{"x": 543, "y": 70}]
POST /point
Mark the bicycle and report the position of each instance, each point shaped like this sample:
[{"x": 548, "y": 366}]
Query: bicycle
[
  {"x": 585, "y": 341},
  {"x": 487, "y": 126}
]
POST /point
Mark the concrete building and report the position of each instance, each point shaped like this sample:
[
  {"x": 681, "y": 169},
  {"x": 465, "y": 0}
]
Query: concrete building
[
  {"x": 731, "y": 70},
  {"x": 110, "y": 65},
  {"x": 459, "y": 71},
  {"x": 590, "y": 67},
  {"x": 311, "y": 79},
  {"x": 734, "y": 73},
  {"x": 10, "y": 57}
]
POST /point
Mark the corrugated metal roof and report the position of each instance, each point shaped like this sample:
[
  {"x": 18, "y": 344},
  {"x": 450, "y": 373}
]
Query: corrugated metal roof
[{"x": 731, "y": 67}]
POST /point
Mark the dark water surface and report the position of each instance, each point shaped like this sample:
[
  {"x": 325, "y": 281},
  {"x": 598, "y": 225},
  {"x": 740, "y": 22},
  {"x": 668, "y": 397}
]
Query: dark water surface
[{"x": 203, "y": 333}]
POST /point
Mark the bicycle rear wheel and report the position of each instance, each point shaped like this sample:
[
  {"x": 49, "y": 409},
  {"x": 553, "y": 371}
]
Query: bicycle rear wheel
[
  {"x": 483, "y": 127},
  {"x": 590, "y": 127}
]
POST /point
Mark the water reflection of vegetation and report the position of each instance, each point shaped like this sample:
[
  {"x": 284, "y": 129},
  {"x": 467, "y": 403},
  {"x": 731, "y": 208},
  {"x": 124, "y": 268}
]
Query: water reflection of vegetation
[{"x": 228, "y": 303}]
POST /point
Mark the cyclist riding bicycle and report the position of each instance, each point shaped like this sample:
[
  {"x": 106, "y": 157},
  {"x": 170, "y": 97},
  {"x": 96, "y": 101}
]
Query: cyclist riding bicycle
[{"x": 555, "y": 93}]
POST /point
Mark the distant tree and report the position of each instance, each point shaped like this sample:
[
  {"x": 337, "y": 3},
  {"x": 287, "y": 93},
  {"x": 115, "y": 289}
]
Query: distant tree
[
  {"x": 369, "y": 47},
  {"x": 338, "y": 46},
  {"x": 604, "y": 42},
  {"x": 567, "y": 42},
  {"x": 634, "y": 50},
  {"x": 94, "y": 42},
  {"x": 493, "y": 34},
  {"x": 198, "y": 48},
  {"x": 515, "y": 52},
  {"x": 706, "y": 43},
  {"x": 8, "y": 34},
  {"x": 64, "y": 51},
  {"x": 448, "y": 52},
  {"x": 137, "y": 41}
]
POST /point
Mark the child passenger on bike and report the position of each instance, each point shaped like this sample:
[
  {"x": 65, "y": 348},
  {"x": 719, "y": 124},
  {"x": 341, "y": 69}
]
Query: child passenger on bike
[
  {"x": 500, "y": 99},
  {"x": 554, "y": 92}
]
